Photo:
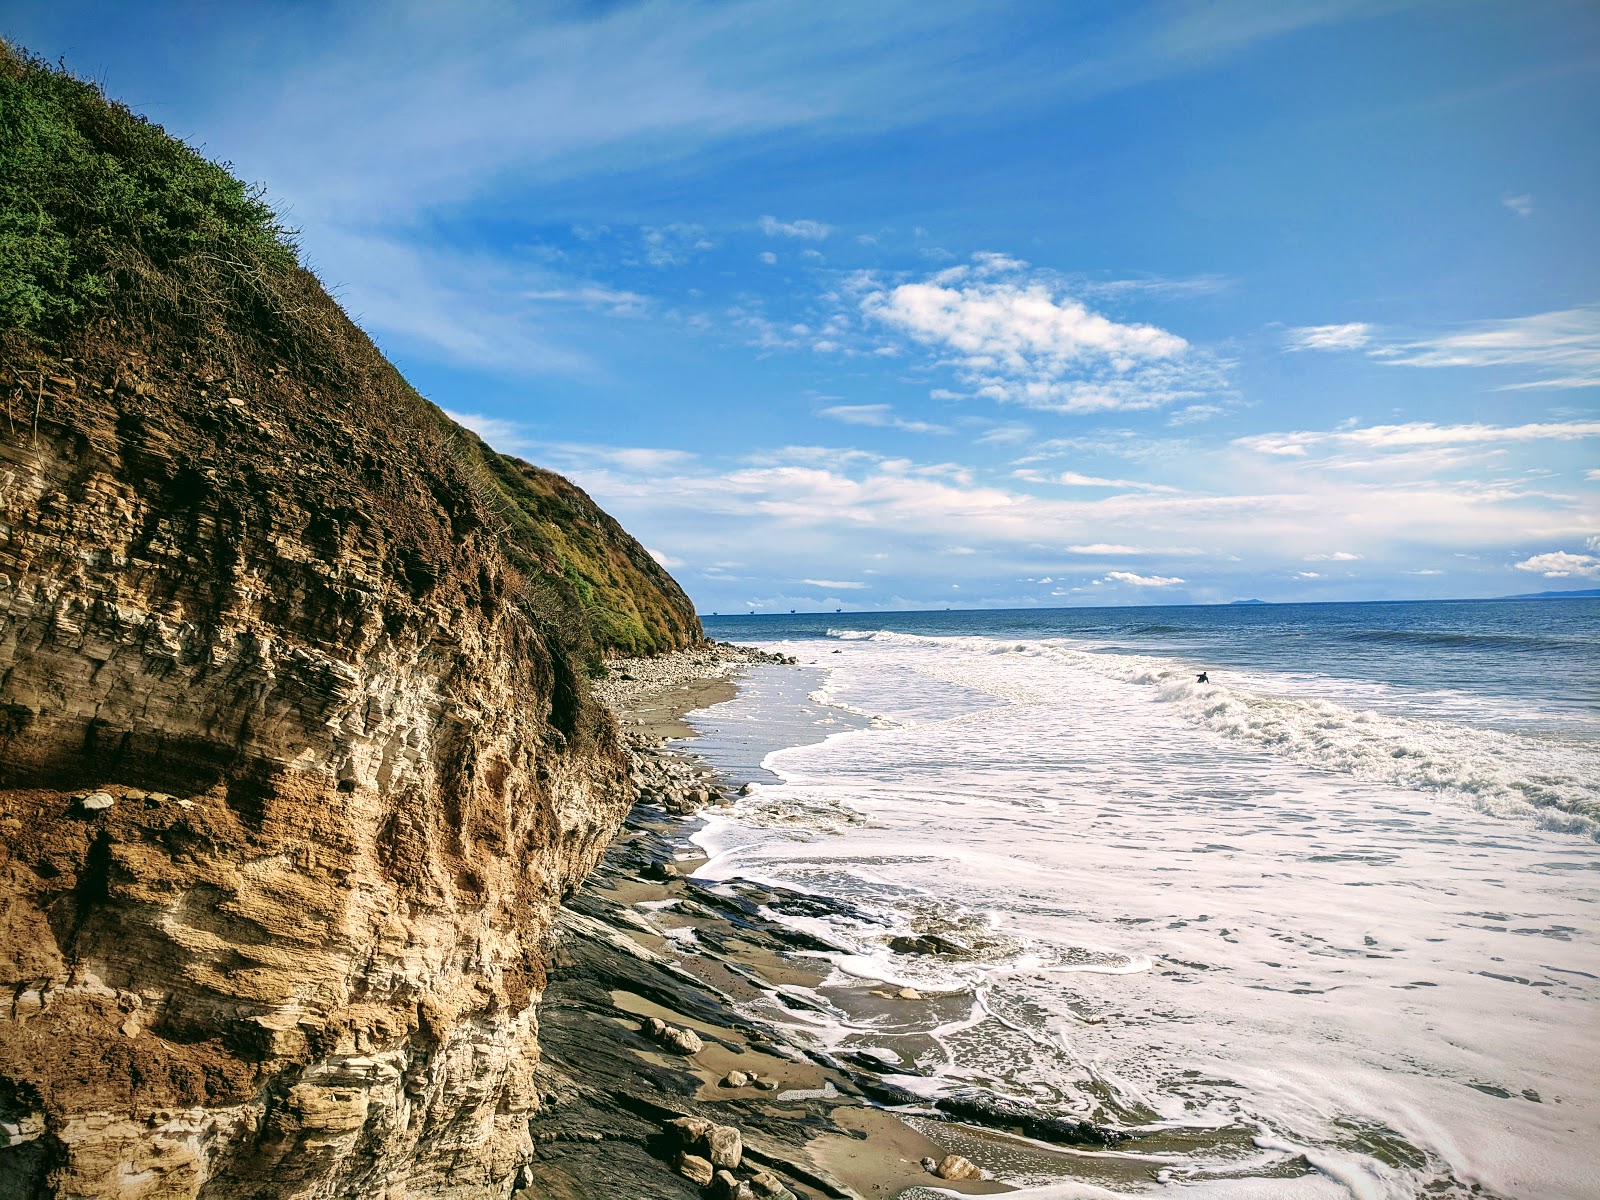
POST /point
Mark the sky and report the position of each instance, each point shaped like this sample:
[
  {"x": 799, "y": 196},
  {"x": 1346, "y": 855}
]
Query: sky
[{"x": 926, "y": 305}]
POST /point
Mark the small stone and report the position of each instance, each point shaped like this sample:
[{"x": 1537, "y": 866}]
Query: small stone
[
  {"x": 953, "y": 1166},
  {"x": 684, "y": 1041},
  {"x": 689, "y": 1130},
  {"x": 928, "y": 1165},
  {"x": 768, "y": 1085},
  {"x": 134, "y": 794},
  {"x": 735, "y": 1079},
  {"x": 725, "y": 1147},
  {"x": 747, "y": 790},
  {"x": 695, "y": 1169},
  {"x": 909, "y": 994},
  {"x": 235, "y": 401},
  {"x": 768, "y": 1185},
  {"x": 97, "y": 801},
  {"x": 727, "y": 1186}
]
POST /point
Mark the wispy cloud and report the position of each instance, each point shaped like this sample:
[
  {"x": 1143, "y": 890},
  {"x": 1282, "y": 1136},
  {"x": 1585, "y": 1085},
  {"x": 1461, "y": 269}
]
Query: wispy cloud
[
  {"x": 613, "y": 300},
  {"x": 1522, "y": 205},
  {"x": 1330, "y": 337},
  {"x": 1387, "y": 437},
  {"x": 1073, "y": 479},
  {"x": 833, "y": 584},
  {"x": 1562, "y": 346},
  {"x": 880, "y": 415},
  {"x": 804, "y": 228},
  {"x": 1336, "y": 556},
  {"x": 1019, "y": 337}
]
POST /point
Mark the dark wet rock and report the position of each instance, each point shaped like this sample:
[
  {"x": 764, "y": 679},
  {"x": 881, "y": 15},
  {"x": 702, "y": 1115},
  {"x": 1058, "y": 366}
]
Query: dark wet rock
[
  {"x": 997, "y": 1112},
  {"x": 727, "y": 1186},
  {"x": 927, "y": 943}
]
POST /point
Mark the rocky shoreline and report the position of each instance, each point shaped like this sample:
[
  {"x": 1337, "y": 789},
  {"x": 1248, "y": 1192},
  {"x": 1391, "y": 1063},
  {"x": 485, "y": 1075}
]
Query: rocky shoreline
[{"x": 659, "y": 1077}]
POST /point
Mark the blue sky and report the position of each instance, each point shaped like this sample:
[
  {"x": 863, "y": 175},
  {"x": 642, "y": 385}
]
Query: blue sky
[{"x": 923, "y": 305}]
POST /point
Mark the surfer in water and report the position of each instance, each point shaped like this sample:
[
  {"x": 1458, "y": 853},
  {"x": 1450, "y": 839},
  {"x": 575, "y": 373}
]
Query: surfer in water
[{"x": 1202, "y": 678}]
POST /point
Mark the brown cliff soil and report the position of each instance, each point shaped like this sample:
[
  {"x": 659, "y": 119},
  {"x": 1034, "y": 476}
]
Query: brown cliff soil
[{"x": 297, "y": 750}]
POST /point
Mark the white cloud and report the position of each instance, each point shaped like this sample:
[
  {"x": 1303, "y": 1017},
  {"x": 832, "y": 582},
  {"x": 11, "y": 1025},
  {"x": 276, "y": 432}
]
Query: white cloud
[
  {"x": 1558, "y": 564},
  {"x": 1073, "y": 479},
  {"x": 1308, "y": 575},
  {"x": 1330, "y": 337},
  {"x": 1022, "y": 339},
  {"x": 1521, "y": 205},
  {"x": 1563, "y": 346},
  {"x": 1336, "y": 556},
  {"x": 1105, "y": 548},
  {"x": 768, "y": 257},
  {"x": 833, "y": 583},
  {"x": 810, "y": 230},
  {"x": 880, "y": 415},
  {"x": 666, "y": 560},
  {"x": 1143, "y": 580},
  {"x": 1420, "y": 433}
]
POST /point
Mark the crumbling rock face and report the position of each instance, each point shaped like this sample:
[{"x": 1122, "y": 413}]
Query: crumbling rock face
[{"x": 299, "y": 953}]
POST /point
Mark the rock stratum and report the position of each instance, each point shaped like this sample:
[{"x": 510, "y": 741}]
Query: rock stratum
[{"x": 298, "y": 756}]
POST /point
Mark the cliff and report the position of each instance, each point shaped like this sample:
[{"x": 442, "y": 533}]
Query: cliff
[{"x": 297, "y": 751}]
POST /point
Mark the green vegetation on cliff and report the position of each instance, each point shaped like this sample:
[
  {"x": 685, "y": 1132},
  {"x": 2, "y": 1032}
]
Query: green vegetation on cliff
[{"x": 160, "y": 276}]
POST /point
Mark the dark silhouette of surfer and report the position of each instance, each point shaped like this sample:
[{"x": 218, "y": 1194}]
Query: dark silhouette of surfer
[{"x": 1202, "y": 678}]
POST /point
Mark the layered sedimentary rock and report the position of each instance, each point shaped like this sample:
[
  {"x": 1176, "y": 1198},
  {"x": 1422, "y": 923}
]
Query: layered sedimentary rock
[{"x": 297, "y": 757}]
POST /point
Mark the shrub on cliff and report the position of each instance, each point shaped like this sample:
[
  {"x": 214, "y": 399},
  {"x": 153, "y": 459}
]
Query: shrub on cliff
[{"x": 86, "y": 185}]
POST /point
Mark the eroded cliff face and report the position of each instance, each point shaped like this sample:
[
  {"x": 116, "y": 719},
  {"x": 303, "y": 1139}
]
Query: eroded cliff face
[
  {"x": 299, "y": 955},
  {"x": 297, "y": 756}
]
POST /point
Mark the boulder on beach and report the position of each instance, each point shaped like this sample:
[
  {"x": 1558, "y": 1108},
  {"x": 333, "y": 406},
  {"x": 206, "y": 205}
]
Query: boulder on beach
[
  {"x": 684, "y": 1041},
  {"x": 695, "y": 1169},
  {"x": 953, "y": 1166}
]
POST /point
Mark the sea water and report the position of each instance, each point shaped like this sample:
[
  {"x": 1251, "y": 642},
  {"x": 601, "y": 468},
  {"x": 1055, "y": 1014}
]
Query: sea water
[{"x": 1324, "y": 925}]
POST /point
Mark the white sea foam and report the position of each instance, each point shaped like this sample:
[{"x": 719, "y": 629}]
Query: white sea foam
[
  {"x": 1207, "y": 909},
  {"x": 1554, "y": 781}
]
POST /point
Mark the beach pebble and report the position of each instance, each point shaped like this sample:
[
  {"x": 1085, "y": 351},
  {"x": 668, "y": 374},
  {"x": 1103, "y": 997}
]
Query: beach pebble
[
  {"x": 769, "y": 1186},
  {"x": 953, "y": 1166},
  {"x": 727, "y": 1186},
  {"x": 735, "y": 1079},
  {"x": 695, "y": 1169},
  {"x": 909, "y": 994},
  {"x": 930, "y": 1166},
  {"x": 96, "y": 801}
]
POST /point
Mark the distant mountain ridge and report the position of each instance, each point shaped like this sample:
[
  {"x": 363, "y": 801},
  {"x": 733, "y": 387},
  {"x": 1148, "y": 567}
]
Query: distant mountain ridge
[{"x": 1568, "y": 594}]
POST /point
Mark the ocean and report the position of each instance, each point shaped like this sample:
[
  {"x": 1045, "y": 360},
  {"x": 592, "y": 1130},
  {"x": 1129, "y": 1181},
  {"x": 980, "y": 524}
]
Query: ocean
[{"x": 1322, "y": 926}]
